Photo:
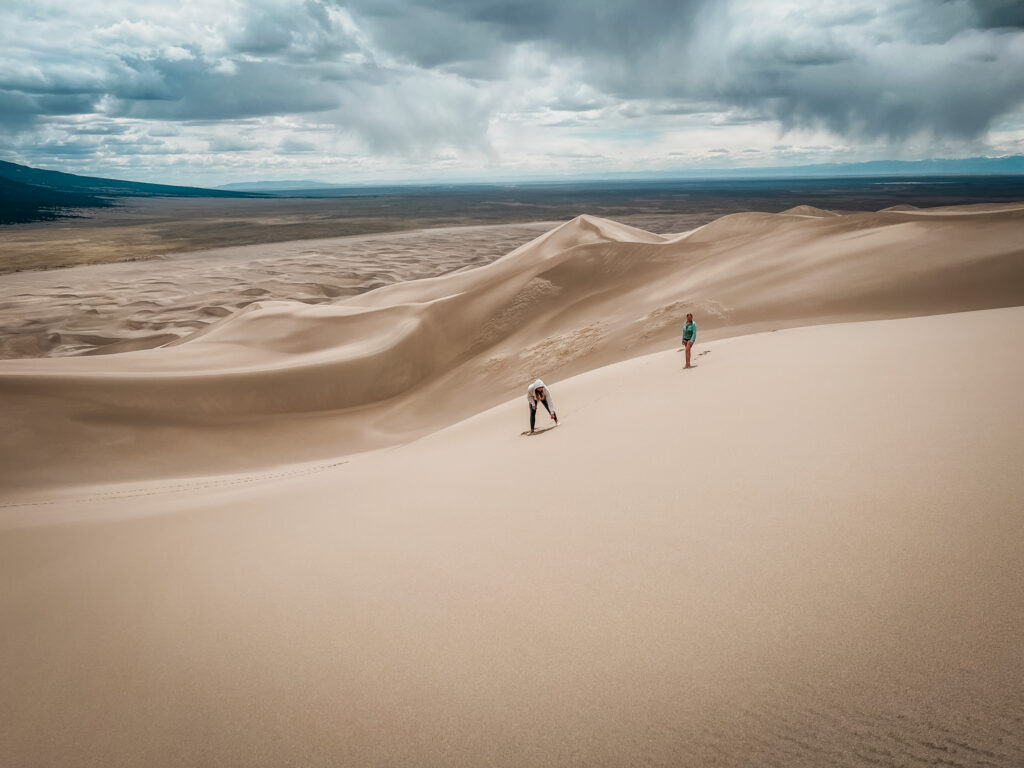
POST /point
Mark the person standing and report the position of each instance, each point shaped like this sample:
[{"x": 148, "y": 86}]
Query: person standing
[
  {"x": 539, "y": 393},
  {"x": 689, "y": 336}
]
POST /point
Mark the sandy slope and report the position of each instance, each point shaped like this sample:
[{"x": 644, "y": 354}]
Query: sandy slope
[
  {"x": 143, "y": 302},
  {"x": 806, "y": 551},
  {"x": 281, "y": 382},
  {"x": 148, "y": 303}
]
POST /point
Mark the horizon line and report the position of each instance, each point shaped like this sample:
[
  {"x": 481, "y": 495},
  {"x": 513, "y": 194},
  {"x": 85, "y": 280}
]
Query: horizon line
[{"x": 863, "y": 169}]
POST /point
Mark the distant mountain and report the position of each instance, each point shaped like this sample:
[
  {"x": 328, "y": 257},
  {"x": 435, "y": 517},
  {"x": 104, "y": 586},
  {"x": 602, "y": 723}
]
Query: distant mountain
[
  {"x": 1012, "y": 164},
  {"x": 22, "y": 203},
  {"x": 32, "y": 194},
  {"x": 275, "y": 186}
]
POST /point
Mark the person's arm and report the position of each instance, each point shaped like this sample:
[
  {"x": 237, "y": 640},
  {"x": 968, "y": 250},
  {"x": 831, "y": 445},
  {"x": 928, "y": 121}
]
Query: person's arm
[
  {"x": 693, "y": 338},
  {"x": 550, "y": 399}
]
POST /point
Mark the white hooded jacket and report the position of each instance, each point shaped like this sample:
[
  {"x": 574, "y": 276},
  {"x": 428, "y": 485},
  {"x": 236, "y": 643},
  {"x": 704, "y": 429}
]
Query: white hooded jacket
[{"x": 531, "y": 395}]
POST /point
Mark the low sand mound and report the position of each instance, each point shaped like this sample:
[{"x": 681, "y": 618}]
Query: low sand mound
[
  {"x": 809, "y": 210},
  {"x": 286, "y": 381},
  {"x": 805, "y": 552}
]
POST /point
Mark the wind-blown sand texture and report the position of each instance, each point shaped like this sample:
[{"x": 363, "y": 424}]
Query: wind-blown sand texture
[
  {"x": 102, "y": 309},
  {"x": 806, "y": 551},
  {"x": 150, "y": 302},
  {"x": 146, "y": 227},
  {"x": 290, "y": 382}
]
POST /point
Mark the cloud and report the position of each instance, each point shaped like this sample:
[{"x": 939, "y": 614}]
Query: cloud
[
  {"x": 867, "y": 82},
  {"x": 296, "y": 146},
  {"x": 486, "y": 83},
  {"x": 996, "y": 14},
  {"x": 20, "y": 111},
  {"x": 883, "y": 69},
  {"x": 416, "y": 114},
  {"x": 476, "y": 37},
  {"x": 192, "y": 90},
  {"x": 232, "y": 144},
  {"x": 302, "y": 31}
]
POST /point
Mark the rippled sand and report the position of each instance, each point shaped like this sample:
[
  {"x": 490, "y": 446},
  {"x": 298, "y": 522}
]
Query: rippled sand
[
  {"x": 138, "y": 305},
  {"x": 317, "y": 535}
]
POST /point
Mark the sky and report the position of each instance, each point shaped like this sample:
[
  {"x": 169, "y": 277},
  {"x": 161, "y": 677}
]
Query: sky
[{"x": 210, "y": 92}]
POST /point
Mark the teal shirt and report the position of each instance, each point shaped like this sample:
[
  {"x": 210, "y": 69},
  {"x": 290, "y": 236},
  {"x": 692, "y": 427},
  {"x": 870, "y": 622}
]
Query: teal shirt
[{"x": 689, "y": 332}]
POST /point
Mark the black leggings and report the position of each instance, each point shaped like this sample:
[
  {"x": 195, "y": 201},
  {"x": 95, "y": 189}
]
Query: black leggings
[{"x": 533, "y": 413}]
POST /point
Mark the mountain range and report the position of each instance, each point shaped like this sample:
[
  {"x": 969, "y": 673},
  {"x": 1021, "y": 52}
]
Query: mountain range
[{"x": 33, "y": 194}]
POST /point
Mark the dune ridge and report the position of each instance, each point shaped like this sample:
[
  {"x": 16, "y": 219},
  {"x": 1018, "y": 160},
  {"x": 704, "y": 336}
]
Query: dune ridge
[
  {"x": 399, "y": 361},
  {"x": 151, "y": 302}
]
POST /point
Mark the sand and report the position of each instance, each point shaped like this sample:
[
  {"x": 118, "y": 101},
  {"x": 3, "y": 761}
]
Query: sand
[
  {"x": 139, "y": 229},
  {"x": 102, "y": 309},
  {"x": 805, "y": 551},
  {"x": 282, "y": 382}
]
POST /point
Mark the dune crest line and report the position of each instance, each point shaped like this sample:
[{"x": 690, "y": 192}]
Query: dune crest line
[{"x": 402, "y": 360}]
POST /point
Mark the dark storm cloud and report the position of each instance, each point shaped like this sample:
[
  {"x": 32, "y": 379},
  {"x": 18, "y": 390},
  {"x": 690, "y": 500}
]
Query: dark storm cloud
[
  {"x": 998, "y": 13},
  {"x": 478, "y": 32},
  {"x": 407, "y": 76},
  {"x": 885, "y": 69},
  {"x": 303, "y": 33},
  {"x": 271, "y": 66},
  {"x": 266, "y": 58},
  {"x": 20, "y": 111},
  {"x": 888, "y": 87},
  {"x": 189, "y": 90},
  {"x": 428, "y": 37}
]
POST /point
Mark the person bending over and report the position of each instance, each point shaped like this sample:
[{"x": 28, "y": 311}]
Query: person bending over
[
  {"x": 689, "y": 336},
  {"x": 538, "y": 393}
]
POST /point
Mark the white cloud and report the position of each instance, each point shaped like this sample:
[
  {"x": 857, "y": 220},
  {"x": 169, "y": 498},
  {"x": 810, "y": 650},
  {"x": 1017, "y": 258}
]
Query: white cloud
[{"x": 204, "y": 90}]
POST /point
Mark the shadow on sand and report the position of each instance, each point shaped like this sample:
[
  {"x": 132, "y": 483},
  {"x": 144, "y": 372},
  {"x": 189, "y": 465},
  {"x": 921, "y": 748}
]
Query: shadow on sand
[{"x": 538, "y": 432}]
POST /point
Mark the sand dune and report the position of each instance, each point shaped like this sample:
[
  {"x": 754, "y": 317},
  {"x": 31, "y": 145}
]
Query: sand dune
[
  {"x": 810, "y": 210},
  {"x": 280, "y": 382},
  {"x": 145, "y": 304},
  {"x": 804, "y": 552},
  {"x": 313, "y": 534}
]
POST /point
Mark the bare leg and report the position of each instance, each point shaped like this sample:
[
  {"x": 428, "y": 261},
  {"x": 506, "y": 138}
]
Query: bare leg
[{"x": 688, "y": 345}]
